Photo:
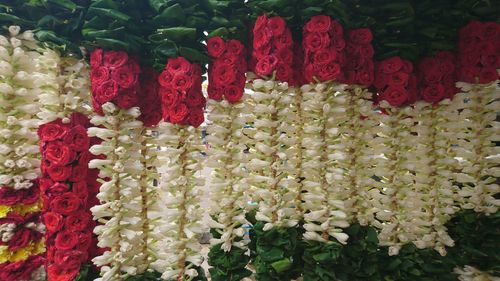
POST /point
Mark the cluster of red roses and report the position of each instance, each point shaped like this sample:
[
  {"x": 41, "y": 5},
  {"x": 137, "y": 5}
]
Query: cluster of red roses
[
  {"x": 479, "y": 52},
  {"x": 149, "y": 101},
  {"x": 359, "y": 66},
  {"x": 114, "y": 78},
  {"x": 436, "y": 77},
  {"x": 182, "y": 100},
  {"x": 10, "y": 196},
  {"x": 20, "y": 270},
  {"x": 226, "y": 72},
  {"x": 324, "y": 46},
  {"x": 395, "y": 81},
  {"x": 272, "y": 48},
  {"x": 22, "y": 234},
  {"x": 68, "y": 191}
]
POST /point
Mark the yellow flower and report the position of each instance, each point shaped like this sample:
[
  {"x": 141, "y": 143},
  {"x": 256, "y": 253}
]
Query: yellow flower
[
  {"x": 21, "y": 254},
  {"x": 4, "y": 210}
]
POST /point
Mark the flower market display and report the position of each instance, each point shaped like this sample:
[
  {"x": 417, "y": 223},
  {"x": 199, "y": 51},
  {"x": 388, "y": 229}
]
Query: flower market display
[{"x": 263, "y": 140}]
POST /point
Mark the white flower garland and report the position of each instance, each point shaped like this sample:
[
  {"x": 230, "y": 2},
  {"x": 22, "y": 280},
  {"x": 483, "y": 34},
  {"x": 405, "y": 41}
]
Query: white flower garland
[
  {"x": 228, "y": 180},
  {"x": 477, "y": 155},
  {"x": 19, "y": 152},
  {"x": 121, "y": 226},
  {"x": 470, "y": 273},
  {"x": 325, "y": 214},
  {"x": 180, "y": 189},
  {"x": 65, "y": 84}
]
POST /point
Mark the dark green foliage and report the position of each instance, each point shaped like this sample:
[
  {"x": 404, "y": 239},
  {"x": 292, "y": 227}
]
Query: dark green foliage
[
  {"x": 117, "y": 25},
  {"x": 230, "y": 20},
  {"x": 57, "y": 23},
  {"x": 228, "y": 266},
  {"x": 178, "y": 28},
  {"x": 277, "y": 252},
  {"x": 87, "y": 273}
]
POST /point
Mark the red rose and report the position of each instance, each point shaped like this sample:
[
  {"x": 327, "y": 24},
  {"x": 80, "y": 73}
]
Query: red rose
[
  {"x": 329, "y": 71},
  {"x": 178, "y": 65},
  {"x": 77, "y": 221},
  {"x": 66, "y": 240},
  {"x": 72, "y": 259},
  {"x": 234, "y": 47},
  {"x": 469, "y": 74},
  {"x": 66, "y": 204},
  {"x": 178, "y": 113},
  {"x": 21, "y": 239},
  {"x": 165, "y": 78},
  {"x": 79, "y": 173},
  {"x": 15, "y": 271},
  {"x": 170, "y": 97},
  {"x": 96, "y": 57},
  {"x": 233, "y": 93},
  {"x": 77, "y": 139},
  {"x": 216, "y": 46},
  {"x": 366, "y": 51},
  {"x": 391, "y": 65},
  {"x": 285, "y": 56},
  {"x": 123, "y": 76},
  {"x": 56, "y": 189},
  {"x": 336, "y": 30},
  {"x": 338, "y": 44},
  {"x": 30, "y": 196},
  {"x": 227, "y": 59},
  {"x": 284, "y": 41},
  {"x": 395, "y": 95},
  {"x": 223, "y": 74},
  {"x": 99, "y": 75},
  {"x": 106, "y": 91},
  {"x": 316, "y": 41},
  {"x": 261, "y": 22},
  {"x": 360, "y": 36},
  {"x": 490, "y": 60},
  {"x": 80, "y": 189},
  {"x": 470, "y": 58},
  {"x": 196, "y": 117},
  {"x": 487, "y": 75},
  {"x": 53, "y": 221},
  {"x": 266, "y": 65},
  {"x": 433, "y": 93},
  {"x": 407, "y": 67},
  {"x": 52, "y": 131},
  {"x": 84, "y": 240},
  {"x": 58, "y": 153},
  {"x": 398, "y": 79},
  {"x": 324, "y": 56},
  {"x": 215, "y": 92},
  {"x": 261, "y": 38},
  {"x": 151, "y": 118},
  {"x": 283, "y": 72},
  {"x": 10, "y": 196},
  {"x": 127, "y": 98},
  {"x": 79, "y": 119},
  {"x": 181, "y": 82},
  {"x": 320, "y": 23},
  {"x": 59, "y": 272},
  {"x": 364, "y": 76},
  {"x": 96, "y": 106},
  {"x": 195, "y": 99},
  {"x": 114, "y": 59},
  {"x": 277, "y": 25}
]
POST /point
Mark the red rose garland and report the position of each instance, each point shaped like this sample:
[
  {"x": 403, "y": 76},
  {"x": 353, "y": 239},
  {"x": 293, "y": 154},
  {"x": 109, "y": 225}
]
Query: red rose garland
[
  {"x": 272, "y": 50},
  {"x": 359, "y": 66},
  {"x": 182, "y": 100},
  {"x": 68, "y": 190},
  {"x": 226, "y": 72},
  {"x": 21, "y": 270},
  {"x": 149, "y": 99},
  {"x": 324, "y": 44},
  {"x": 24, "y": 230},
  {"x": 114, "y": 77},
  {"x": 395, "y": 81},
  {"x": 479, "y": 52},
  {"x": 10, "y": 196},
  {"x": 436, "y": 77}
]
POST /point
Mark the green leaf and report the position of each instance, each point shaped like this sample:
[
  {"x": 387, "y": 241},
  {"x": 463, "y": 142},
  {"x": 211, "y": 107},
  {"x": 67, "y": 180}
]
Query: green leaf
[
  {"x": 177, "y": 34},
  {"x": 109, "y": 13},
  {"x": 66, "y": 4},
  {"x": 194, "y": 55},
  {"x": 281, "y": 265},
  {"x": 222, "y": 32}
]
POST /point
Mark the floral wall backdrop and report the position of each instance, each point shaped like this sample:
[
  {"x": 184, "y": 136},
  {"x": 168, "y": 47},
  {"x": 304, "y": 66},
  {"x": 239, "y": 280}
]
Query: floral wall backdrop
[{"x": 348, "y": 140}]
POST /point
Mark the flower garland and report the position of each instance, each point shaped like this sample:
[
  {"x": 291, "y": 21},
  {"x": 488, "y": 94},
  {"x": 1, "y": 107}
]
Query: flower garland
[
  {"x": 470, "y": 273},
  {"x": 68, "y": 191},
  {"x": 30, "y": 269},
  {"x": 228, "y": 185},
  {"x": 121, "y": 232},
  {"x": 477, "y": 173},
  {"x": 178, "y": 250},
  {"x": 226, "y": 72},
  {"x": 19, "y": 156},
  {"x": 181, "y": 94}
]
